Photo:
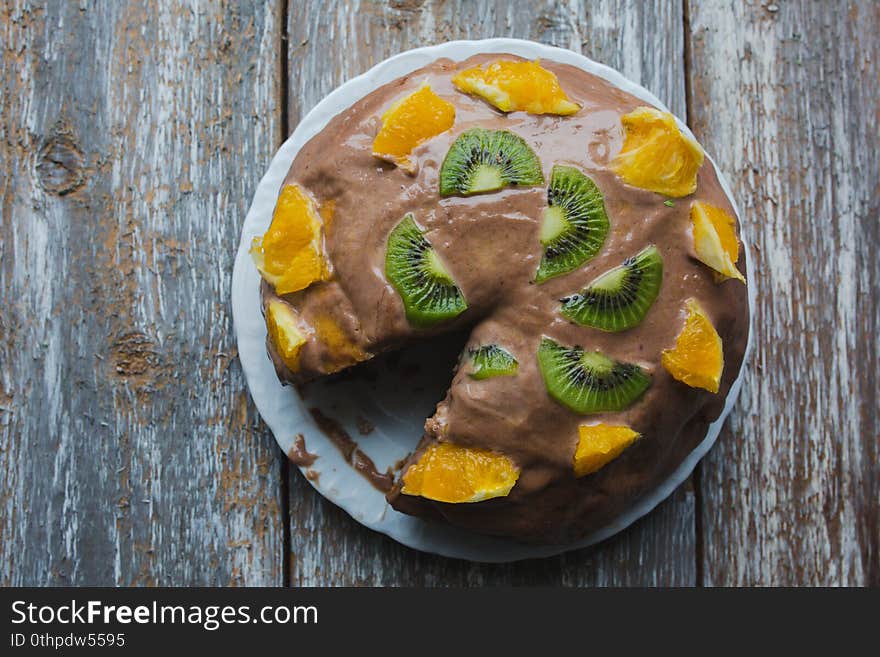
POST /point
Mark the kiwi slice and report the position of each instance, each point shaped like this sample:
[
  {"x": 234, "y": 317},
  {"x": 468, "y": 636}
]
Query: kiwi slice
[
  {"x": 575, "y": 223},
  {"x": 589, "y": 381},
  {"x": 619, "y": 298},
  {"x": 491, "y": 360},
  {"x": 429, "y": 293},
  {"x": 482, "y": 160}
]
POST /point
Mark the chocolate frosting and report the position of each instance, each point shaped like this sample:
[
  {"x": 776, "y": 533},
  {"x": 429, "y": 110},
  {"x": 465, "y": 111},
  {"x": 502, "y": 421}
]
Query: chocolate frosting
[
  {"x": 298, "y": 454},
  {"x": 490, "y": 245}
]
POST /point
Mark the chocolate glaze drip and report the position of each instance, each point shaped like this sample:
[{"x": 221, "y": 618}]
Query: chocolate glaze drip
[
  {"x": 363, "y": 464},
  {"x": 490, "y": 245},
  {"x": 299, "y": 455}
]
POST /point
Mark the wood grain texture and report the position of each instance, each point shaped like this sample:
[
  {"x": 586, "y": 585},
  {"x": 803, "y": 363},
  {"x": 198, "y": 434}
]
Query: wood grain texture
[
  {"x": 786, "y": 95},
  {"x": 131, "y": 140},
  {"x": 330, "y": 42}
]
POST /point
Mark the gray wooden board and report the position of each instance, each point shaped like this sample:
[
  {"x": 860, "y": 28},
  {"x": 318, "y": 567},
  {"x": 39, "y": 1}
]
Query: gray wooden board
[
  {"x": 132, "y": 137},
  {"x": 786, "y": 95}
]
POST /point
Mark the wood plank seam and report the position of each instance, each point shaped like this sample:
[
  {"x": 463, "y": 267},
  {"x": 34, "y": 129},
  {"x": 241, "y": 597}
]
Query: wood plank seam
[
  {"x": 696, "y": 476},
  {"x": 284, "y": 133}
]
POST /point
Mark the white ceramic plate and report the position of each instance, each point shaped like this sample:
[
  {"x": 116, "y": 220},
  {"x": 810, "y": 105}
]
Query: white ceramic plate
[{"x": 399, "y": 399}]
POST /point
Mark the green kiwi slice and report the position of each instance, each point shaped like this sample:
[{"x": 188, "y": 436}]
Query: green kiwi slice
[
  {"x": 621, "y": 297},
  {"x": 575, "y": 223},
  {"x": 589, "y": 381},
  {"x": 491, "y": 360},
  {"x": 482, "y": 160},
  {"x": 429, "y": 293}
]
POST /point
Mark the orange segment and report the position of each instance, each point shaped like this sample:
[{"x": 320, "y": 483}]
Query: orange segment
[
  {"x": 697, "y": 358},
  {"x": 715, "y": 239},
  {"x": 656, "y": 155},
  {"x": 285, "y": 333},
  {"x": 409, "y": 122},
  {"x": 511, "y": 86},
  {"x": 289, "y": 254},
  {"x": 599, "y": 444},
  {"x": 449, "y": 473},
  {"x": 343, "y": 351}
]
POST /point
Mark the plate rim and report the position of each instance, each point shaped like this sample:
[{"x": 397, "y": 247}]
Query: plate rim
[{"x": 472, "y": 546}]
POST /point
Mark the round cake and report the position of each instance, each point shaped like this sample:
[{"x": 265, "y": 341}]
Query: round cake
[{"x": 579, "y": 236}]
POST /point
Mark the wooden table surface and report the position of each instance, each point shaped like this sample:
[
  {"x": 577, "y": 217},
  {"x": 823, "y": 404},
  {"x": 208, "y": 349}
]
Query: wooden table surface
[{"x": 132, "y": 137}]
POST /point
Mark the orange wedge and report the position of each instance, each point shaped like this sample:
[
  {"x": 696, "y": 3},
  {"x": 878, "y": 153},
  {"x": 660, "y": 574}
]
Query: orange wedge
[
  {"x": 289, "y": 255},
  {"x": 449, "y": 473},
  {"x": 344, "y": 352},
  {"x": 512, "y": 86},
  {"x": 599, "y": 444},
  {"x": 656, "y": 155},
  {"x": 715, "y": 239},
  {"x": 285, "y": 333},
  {"x": 697, "y": 358},
  {"x": 409, "y": 122}
]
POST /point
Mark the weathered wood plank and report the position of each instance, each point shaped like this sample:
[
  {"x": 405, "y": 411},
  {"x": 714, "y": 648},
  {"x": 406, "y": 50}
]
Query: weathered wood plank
[
  {"x": 132, "y": 136},
  {"x": 330, "y": 42},
  {"x": 786, "y": 94}
]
